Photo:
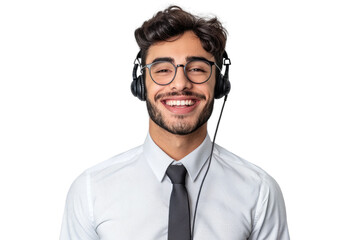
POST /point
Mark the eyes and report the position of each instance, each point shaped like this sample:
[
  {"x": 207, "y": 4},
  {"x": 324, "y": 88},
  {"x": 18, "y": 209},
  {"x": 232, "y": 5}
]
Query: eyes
[
  {"x": 192, "y": 67},
  {"x": 196, "y": 71}
]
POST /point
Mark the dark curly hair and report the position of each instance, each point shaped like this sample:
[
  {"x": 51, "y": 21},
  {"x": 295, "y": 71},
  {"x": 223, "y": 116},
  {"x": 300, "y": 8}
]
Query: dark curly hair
[{"x": 174, "y": 21}]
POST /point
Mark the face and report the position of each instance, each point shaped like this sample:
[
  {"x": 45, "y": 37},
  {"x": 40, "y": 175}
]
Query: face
[{"x": 180, "y": 107}]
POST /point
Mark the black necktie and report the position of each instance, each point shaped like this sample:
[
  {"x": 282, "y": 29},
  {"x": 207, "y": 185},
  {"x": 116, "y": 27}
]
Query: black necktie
[{"x": 179, "y": 212}]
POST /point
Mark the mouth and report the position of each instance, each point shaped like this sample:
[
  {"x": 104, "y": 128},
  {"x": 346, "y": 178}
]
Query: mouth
[{"x": 180, "y": 105}]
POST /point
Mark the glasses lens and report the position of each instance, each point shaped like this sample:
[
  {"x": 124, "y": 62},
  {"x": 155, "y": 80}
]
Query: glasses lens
[
  {"x": 198, "y": 71},
  {"x": 162, "y": 72}
]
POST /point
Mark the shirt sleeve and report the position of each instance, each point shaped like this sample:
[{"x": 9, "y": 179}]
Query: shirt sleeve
[
  {"x": 78, "y": 220},
  {"x": 270, "y": 217}
]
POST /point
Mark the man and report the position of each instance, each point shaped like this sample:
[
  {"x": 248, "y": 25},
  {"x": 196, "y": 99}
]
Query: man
[{"x": 178, "y": 184}]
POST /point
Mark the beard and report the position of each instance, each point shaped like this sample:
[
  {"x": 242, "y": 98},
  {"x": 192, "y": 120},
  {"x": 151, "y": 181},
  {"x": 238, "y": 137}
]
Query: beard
[{"x": 180, "y": 127}]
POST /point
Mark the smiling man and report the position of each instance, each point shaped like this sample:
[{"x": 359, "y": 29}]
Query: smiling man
[
  {"x": 179, "y": 99},
  {"x": 178, "y": 185}
]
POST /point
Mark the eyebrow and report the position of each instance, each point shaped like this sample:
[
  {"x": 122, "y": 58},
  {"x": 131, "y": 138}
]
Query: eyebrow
[
  {"x": 170, "y": 59},
  {"x": 161, "y": 59},
  {"x": 191, "y": 58}
]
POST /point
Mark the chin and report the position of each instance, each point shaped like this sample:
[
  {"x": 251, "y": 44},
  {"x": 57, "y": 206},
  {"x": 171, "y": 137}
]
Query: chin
[
  {"x": 179, "y": 125},
  {"x": 182, "y": 128}
]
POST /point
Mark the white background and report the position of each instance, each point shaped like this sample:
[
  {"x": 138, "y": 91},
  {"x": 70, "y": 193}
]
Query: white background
[{"x": 65, "y": 103}]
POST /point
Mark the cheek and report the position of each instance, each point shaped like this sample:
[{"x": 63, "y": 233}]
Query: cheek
[
  {"x": 148, "y": 84},
  {"x": 151, "y": 88},
  {"x": 211, "y": 87}
]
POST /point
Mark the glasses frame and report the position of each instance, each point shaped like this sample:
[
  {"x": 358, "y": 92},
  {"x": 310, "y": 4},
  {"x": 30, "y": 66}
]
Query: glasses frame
[{"x": 148, "y": 66}]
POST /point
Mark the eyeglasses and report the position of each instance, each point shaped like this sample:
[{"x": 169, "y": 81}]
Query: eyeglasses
[{"x": 196, "y": 71}]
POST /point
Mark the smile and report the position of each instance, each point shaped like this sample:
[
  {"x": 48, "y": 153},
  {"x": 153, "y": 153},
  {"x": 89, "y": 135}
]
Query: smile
[{"x": 179, "y": 103}]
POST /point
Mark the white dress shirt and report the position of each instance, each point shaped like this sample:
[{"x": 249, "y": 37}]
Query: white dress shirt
[{"x": 127, "y": 198}]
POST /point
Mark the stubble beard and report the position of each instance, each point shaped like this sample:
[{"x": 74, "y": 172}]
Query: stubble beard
[{"x": 180, "y": 127}]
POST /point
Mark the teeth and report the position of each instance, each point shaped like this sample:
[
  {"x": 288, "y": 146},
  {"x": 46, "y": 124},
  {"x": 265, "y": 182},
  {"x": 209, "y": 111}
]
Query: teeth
[{"x": 180, "y": 102}]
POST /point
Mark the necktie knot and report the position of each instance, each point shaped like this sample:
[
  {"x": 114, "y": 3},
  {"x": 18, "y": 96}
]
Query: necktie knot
[{"x": 177, "y": 174}]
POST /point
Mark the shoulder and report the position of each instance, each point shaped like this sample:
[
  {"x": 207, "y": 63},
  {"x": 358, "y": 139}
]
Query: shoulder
[
  {"x": 103, "y": 169},
  {"x": 79, "y": 220},
  {"x": 252, "y": 181},
  {"x": 118, "y": 161},
  {"x": 238, "y": 167},
  {"x": 262, "y": 193}
]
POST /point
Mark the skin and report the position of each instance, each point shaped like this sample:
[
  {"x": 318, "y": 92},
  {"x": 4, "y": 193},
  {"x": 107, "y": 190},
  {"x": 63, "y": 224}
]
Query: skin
[{"x": 178, "y": 146}]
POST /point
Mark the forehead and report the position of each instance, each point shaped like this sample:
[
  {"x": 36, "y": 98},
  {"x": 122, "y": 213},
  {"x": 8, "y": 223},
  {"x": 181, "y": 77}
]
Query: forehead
[{"x": 179, "y": 48}]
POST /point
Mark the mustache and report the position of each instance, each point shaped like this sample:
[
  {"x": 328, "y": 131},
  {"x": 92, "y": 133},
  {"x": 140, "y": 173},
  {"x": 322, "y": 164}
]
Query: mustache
[{"x": 181, "y": 93}]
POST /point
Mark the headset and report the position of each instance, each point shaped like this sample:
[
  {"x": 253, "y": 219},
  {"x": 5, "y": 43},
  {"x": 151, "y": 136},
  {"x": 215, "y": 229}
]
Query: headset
[
  {"x": 222, "y": 85},
  {"x": 222, "y": 88}
]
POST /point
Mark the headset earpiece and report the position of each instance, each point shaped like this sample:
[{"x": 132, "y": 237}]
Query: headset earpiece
[
  {"x": 222, "y": 85},
  {"x": 138, "y": 83}
]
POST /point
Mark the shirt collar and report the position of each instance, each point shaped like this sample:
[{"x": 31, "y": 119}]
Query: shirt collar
[{"x": 159, "y": 161}]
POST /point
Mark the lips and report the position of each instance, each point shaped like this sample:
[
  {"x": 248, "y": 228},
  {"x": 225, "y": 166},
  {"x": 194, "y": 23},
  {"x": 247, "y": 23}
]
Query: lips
[{"x": 180, "y": 105}]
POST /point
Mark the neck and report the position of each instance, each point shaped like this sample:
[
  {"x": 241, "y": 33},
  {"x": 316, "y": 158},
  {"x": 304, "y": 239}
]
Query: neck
[{"x": 177, "y": 146}]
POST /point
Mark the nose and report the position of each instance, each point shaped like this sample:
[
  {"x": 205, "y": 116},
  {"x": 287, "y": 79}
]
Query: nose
[{"x": 180, "y": 81}]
